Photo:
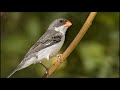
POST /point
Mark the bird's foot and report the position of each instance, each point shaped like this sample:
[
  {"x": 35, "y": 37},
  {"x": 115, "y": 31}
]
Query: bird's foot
[{"x": 59, "y": 56}]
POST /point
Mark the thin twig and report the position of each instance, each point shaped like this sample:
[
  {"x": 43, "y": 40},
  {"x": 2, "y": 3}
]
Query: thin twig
[{"x": 74, "y": 43}]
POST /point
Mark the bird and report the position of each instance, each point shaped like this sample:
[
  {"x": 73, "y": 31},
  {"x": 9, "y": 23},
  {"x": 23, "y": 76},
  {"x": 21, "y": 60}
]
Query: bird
[{"x": 47, "y": 45}]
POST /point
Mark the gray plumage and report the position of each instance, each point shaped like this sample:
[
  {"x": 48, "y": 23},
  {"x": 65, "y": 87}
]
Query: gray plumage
[
  {"x": 46, "y": 40},
  {"x": 57, "y": 23},
  {"x": 49, "y": 38}
]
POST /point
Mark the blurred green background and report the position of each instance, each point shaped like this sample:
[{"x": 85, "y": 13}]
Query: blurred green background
[{"x": 96, "y": 56}]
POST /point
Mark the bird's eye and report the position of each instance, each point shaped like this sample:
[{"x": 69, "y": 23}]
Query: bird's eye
[{"x": 61, "y": 21}]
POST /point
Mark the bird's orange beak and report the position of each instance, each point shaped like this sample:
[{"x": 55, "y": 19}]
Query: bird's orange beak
[{"x": 68, "y": 24}]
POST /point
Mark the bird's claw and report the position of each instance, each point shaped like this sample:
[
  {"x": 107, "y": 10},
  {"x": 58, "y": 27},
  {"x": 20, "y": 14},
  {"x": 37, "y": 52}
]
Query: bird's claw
[{"x": 59, "y": 56}]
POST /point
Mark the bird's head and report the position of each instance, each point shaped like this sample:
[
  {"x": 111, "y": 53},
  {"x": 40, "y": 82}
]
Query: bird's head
[{"x": 60, "y": 25}]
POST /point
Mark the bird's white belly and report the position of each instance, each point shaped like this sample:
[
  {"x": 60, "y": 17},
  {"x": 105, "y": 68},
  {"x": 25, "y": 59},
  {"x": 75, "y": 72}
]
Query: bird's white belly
[
  {"x": 49, "y": 51},
  {"x": 43, "y": 54}
]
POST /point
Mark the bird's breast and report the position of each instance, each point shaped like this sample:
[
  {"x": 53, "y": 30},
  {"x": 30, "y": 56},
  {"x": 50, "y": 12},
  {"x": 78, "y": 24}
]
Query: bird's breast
[{"x": 51, "y": 50}]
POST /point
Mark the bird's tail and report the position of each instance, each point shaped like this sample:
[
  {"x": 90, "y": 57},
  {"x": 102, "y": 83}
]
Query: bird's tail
[
  {"x": 12, "y": 73},
  {"x": 19, "y": 67}
]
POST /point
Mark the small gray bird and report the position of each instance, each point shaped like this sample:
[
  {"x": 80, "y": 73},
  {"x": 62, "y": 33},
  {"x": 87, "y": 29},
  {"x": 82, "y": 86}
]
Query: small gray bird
[{"x": 47, "y": 45}]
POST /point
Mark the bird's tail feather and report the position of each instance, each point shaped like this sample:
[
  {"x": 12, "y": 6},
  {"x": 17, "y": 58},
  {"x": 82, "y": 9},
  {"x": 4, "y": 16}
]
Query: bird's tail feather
[
  {"x": 12, "y": 73},
  {"x": 19, "y": 67}
]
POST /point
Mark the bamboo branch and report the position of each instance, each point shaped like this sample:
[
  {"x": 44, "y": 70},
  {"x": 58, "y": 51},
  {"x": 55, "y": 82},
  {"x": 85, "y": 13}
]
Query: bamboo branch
[{"x": 74, "y": 43}]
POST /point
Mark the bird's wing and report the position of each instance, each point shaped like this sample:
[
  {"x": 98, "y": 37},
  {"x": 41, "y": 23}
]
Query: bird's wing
[{"x": 46, "y": 40}]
